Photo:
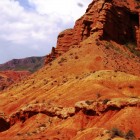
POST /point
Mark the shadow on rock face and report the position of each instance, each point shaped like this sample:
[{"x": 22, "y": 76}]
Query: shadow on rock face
[{"x": 4, "y": 125}]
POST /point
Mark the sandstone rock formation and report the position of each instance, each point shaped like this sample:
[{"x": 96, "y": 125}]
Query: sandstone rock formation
[
  {"x": 90, "y": 107},
  {"x": 65, "y": 40},
  {"x": 91, "y": 91},
  {"x": 105, "y": 18}
]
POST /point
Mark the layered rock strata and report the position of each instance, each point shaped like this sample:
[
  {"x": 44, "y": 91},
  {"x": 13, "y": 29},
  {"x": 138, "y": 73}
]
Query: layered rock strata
[
  {"x": 105, "y": 19},
  {"x": 90, "y": 107}
]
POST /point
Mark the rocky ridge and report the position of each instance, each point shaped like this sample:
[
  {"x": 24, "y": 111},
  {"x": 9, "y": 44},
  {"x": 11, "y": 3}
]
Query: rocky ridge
[
  {"x": 30, "y": 64},
  {"x": 106, "y": 19},
  {"x": 17, "y": 69},
  {"x": 90, "y": 107}
]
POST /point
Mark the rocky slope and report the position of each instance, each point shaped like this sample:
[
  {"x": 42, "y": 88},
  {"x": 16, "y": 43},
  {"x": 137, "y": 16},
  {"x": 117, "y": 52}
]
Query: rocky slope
[
  {"x": 71, "y": 108},
  {"x": 89, "y": 87}
]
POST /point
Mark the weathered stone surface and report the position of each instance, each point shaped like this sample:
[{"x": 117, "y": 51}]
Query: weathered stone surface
[
  {"x": 105, "y": 18},
  {"x": 96, "y": 107},
  {"x": 65, "y": 40}
]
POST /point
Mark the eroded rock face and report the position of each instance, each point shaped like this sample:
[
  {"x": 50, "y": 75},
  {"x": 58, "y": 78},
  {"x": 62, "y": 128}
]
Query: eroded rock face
[
  {"x": 112, "y": 20},
  {"x": 65, "y": 40},
  {"x": 89, "y": 107},
  {"x": 63, "y": 43},
  {"x": 108, "y": 19},
  {"x": 122, "y": 22}
]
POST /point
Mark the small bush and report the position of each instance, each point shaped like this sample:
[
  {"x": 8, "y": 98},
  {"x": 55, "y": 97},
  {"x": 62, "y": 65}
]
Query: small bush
[
  {"x": 107, "y": 47},
  {"x": 130, "y": 135},
  {"x": 97, "y": 43},
  {"x": 134, "y": 96},
  {"x": 76, "y": 57},
  {"x": 105, "y": 101},
  {"x": 18, "y": 134},
  {"x": 76, "y": 77},
  {"x": 130, "y": 86},
  {"x": 42, "y": 125},
  {"x": 98, "y": 95},
  {"x": 62, "y": 60},
  {"x": 132, "y": 47},
  {"x": 116, "y": 132},
  {"x": 89, "y": 102}
]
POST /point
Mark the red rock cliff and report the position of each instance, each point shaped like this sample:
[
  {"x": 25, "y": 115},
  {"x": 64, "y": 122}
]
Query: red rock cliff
[
  {"x": 63, "y": 43},
  {"x": 108, "y": 20}
]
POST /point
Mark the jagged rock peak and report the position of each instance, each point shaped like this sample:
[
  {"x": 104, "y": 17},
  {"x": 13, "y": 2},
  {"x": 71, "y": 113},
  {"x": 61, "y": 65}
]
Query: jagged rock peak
[{"x": 105, "y": 20}]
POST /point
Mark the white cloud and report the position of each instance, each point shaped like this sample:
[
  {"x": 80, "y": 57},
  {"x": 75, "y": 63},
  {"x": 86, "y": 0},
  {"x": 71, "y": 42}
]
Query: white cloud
[
  {"x": 66, "y": 9},
  {"x": 25, "y": 32}
]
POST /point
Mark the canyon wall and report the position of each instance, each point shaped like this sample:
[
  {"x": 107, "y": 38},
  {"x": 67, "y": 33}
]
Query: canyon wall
[{"x": 106, "y": 20}]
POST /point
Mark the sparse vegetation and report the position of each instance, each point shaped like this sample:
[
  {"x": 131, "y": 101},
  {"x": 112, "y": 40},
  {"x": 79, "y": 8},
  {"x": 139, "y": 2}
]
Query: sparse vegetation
[
  {"x": 98, "y": 95},
  {"x": 18, "y": 134},
  {"x": 134, "y": 96},
  {"x": 131, "y": 86},
  {"x": 116, "y": 132},
  {"x": 132, "y": 47},
  {"x": 89, "y": 102},
  {"x": 109, "y": 45},
  {"x": 43, "y": 125},
  {"x": 76, "y": 77},
  {"x": 130, "y": 135},
  {"x": 76, "y": 57},
  {"x": 36, "y": 101},
  {"x": 62, "y": 60},
  {"x": 105, "y": 101}
]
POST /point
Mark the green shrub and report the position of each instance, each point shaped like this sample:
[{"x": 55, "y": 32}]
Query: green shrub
[
  {"x": 62, "y": 60},
  {"x": 130, "y": 135},
  {"x": 132, "y": 47},
  {"x": 105, "y": 101},
  {"x": 116, "y": 132},
  {"x": 89, "y": 102}
]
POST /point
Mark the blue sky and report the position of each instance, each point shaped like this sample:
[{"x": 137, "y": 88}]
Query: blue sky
[
  {"x": 30, "y": 27},
  {"x": 25, "y": 4}
]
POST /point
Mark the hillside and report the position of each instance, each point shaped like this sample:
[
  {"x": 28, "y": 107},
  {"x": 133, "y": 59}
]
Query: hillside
[
  {"x": 9, "y": 77},
  {"x": 31, "y": 64},
  {"x": 18, "y": 69},
  {"x": 90, "y": 85}
]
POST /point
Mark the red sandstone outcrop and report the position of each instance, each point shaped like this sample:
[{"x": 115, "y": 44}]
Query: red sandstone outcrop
[
  {"x": 105, "y": 18},
  {"x": 65, "y": 40},
  {"x": 90, "y": 107}
]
